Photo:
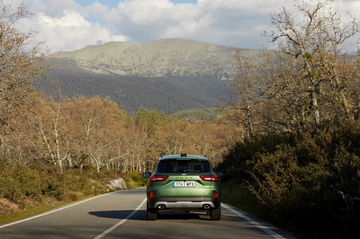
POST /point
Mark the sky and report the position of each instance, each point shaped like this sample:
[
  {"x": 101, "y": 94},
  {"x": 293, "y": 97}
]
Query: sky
[{"x": 72, "y": 24}]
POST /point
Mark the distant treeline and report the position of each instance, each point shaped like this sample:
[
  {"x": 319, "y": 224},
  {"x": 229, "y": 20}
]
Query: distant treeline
[
  {"x": 68, "y": 149},
  {"x": 94, "y": 132}
]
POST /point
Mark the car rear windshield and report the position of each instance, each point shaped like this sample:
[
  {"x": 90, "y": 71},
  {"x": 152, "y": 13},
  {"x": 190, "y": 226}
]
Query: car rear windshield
[{"x": 183, "y": 166}]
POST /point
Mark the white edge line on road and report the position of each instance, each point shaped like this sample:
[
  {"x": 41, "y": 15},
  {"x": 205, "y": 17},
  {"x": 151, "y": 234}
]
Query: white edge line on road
[
  {"x": 56, "y": 210},
  {"x": 121, "y": 222},
  {"x": 253, "y": 221}
]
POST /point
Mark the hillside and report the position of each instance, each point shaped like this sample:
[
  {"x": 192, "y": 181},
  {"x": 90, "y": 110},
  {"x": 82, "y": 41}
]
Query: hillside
[{"x": 167, "y": 74}]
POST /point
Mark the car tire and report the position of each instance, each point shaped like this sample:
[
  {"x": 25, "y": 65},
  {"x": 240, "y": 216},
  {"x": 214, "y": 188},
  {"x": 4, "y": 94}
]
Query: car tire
[
  {"x": 215, "y": 214},
  {"x": 151, "y": 214}
]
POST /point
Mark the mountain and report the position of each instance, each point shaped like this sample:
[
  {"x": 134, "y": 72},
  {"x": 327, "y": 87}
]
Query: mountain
[{"x": 167, "y": 74}]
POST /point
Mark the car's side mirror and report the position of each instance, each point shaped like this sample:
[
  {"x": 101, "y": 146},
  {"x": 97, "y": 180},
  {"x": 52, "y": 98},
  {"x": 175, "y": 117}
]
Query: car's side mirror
[
  {"x": 219, "y": 174},
  {"x": 146, "y": 175}
]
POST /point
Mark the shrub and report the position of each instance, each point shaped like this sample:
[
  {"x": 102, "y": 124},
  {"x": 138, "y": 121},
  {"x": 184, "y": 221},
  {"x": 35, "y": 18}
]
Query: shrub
[
  {"x": 134, "y": 179},
  {"x": 309, "y": 180},
  {"x": 18, "y": 182},
  {"x": 73, "y": 196}
]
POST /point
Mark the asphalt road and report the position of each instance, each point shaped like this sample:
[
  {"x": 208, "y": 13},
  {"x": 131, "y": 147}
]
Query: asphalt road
[{"x": 122, "y": 215}]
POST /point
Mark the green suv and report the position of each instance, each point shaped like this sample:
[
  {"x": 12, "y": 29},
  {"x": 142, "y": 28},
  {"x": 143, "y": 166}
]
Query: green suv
[{"x": 183, "y": 183}]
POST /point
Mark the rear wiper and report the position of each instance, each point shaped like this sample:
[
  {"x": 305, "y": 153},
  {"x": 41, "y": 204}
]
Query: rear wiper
[{"x": 190, "y": 170}]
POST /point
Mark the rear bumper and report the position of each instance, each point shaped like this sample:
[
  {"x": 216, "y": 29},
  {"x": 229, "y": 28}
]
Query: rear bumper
[
  {"x": 184, "y": 205},
  {"x": 202, "y": 203}
]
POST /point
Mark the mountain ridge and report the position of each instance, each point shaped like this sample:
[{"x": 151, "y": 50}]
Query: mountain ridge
[
  {"x": 167, "y": 74},
  {"x": 158, "y": 58}
]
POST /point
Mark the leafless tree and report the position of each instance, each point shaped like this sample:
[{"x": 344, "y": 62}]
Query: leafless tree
[{"x": 313, "y": 36}]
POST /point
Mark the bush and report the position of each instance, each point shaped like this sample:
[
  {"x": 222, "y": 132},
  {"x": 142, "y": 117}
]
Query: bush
[
  {"x": 310, "y": 181},
  {"x": 18, "y": 182},
  {"x": 135, "y": 179},
  {"x": 73, "y": 196},
  {"x": 53, "y": 186}
]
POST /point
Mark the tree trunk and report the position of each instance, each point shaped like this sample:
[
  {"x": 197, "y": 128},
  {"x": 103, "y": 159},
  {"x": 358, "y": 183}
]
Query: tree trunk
[
  {"x": 314, "y": 90},
  {"x": 315, "y": 107},
  {"x": 70, "y": 162},
  {"x": 97, "y": 166},
  {"x": 249, "y": 122},
  {"x": 344, "y": 100}
]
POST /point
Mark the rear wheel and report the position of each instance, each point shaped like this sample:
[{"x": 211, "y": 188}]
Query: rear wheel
[
  {"x": 151, "y": 214},
  {"x": 215, "y": 214}
]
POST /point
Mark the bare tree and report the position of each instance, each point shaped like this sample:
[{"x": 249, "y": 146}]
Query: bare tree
[
  {"x": 313, "y": 35},
  {"x": 18, "y": 65},
  {"x": 249, "y": 84}
]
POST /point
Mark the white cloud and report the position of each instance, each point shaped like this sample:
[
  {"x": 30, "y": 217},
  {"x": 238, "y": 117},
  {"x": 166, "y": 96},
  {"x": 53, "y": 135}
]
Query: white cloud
[
  {"x": 69, "y": 19},
  {"x": 66, "y": 25},
  {"x": 95, "y": 10},
  {"x": 348, "y": 7},
  {"x": 227, "y": 22},
  {"x": 68, "y": 32}
]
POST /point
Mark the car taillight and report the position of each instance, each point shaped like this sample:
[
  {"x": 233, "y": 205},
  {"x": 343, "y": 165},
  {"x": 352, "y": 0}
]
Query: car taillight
[
  {"x": 216, "y": 194},
  {"x": 210, "y": 178},
  {"x": 152, "y": 194},
  {"x": 158, "y": 178}
]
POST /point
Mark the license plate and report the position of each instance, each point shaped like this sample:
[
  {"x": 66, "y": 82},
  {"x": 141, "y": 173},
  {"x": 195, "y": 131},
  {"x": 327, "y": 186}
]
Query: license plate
[{"x": 187, "y": 184}]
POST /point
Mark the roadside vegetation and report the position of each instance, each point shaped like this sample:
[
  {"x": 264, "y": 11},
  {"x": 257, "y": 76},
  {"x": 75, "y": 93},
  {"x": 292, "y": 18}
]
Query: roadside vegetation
[
  {"x": 298, "y": 164},
  {"x": 30, "y": 189},
  {"x": 305, "y": 182}
]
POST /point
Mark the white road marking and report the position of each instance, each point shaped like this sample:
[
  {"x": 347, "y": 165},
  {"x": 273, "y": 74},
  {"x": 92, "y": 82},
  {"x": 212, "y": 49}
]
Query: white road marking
[
  {"x": 56, "y": 210},
  {"x": 253, "y": 221},
  {"x": 121, "y": 222}
]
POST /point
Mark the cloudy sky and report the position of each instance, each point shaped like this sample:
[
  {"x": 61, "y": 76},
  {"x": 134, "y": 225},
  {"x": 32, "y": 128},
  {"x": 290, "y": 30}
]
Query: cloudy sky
[{"x": 73, "y": 24}]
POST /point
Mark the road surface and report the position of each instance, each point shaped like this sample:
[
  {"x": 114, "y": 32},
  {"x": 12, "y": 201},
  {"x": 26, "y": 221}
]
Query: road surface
[{"x": 122, "y": 215}]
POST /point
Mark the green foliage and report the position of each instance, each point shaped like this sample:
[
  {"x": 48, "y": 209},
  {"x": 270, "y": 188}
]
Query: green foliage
[
  {"x": 52, "y": 183},
  {"x": 88, "y": 183},
  {"x": 25, "y": 204},
  {"x": 135, "y": 179},
  {"x": 241, "y": 156},
  {"x": 307, "y": 180},
  {"x": 73, "y": 196},
  {"x": 149, "y": 120},
  {"x": 18, "y": 182},
  {"x": 199, "y": 114}
]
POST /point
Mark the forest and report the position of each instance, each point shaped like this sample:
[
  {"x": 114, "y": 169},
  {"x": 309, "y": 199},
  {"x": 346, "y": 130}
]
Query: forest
[{"x": 289, "y": 148}]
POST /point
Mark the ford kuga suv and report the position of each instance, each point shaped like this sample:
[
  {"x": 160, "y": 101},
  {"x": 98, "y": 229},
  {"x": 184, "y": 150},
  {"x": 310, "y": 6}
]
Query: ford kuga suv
[{"x": 183, "y": 183}]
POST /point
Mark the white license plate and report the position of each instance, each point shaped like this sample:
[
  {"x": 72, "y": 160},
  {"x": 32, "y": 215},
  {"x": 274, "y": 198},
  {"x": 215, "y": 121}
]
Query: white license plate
[{"x": 187, "y": 184}]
